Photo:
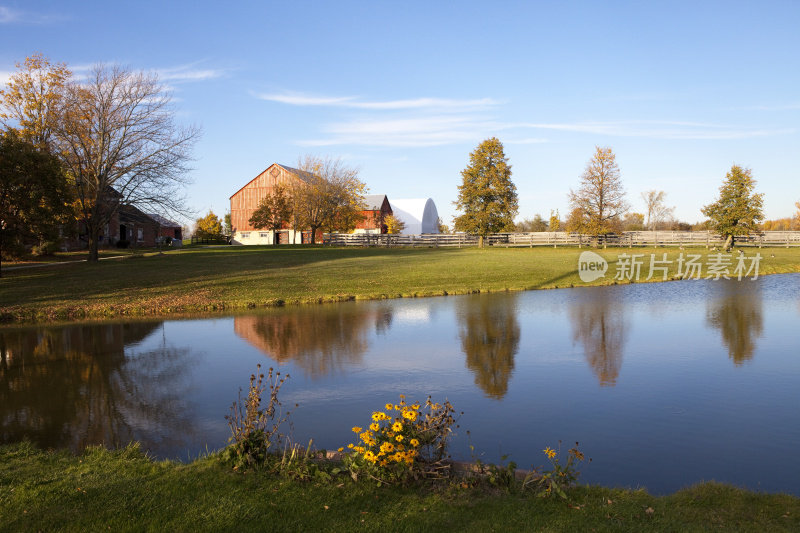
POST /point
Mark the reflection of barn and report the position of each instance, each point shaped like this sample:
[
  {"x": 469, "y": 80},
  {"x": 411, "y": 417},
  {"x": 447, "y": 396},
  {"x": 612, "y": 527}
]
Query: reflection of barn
[
  {"x": 246, "y": 200},
  {"x": 419, "y": 215},
  {"x": 319, "y": 339}
]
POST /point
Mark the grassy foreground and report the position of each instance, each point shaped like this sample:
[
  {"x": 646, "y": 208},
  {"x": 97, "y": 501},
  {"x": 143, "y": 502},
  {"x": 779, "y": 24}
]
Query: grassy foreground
[
  {"x": 234, "y": 278},
  {"x": 124, "y": 490}
]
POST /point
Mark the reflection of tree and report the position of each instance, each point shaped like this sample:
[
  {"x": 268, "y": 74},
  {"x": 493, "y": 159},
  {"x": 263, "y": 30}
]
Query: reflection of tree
[
  {"x": 599, "y": 324},
  {"x": 320, "y": 339},
  {"x": 70, "y": 387},
  {"x": 489, "y": 334},
  {"x": 738, "y": 316}
]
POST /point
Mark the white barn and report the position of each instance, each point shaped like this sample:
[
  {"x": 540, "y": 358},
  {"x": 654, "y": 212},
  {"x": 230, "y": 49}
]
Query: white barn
[{"x": 419, "y": 214}]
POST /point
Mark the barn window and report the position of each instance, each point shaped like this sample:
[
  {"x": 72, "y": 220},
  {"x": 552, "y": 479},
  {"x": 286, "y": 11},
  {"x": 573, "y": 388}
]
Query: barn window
[
  {"x": 245, "y": 235},
  {"x": 140, "y": 235},
  {"x": 263, "y": 234}
]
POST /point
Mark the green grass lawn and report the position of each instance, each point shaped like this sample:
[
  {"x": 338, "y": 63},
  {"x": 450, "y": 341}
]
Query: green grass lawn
[
  {"x": 124, "y": 491},
  {"x": 234, "y": 278}
]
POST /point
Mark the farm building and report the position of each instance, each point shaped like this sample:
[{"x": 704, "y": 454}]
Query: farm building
[
  {"x": 246, "y": 200},
  {"x": 376, "y": 209},
  {"x": 419, "y": 215}
]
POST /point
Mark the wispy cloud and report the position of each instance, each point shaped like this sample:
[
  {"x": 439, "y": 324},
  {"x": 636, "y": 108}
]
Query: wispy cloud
[
  {"x": 354, "y": 102},
  {"x": 16, "y": 16},
  {"x": 777, "y": 107},
  {"x": 662, "y": 130},
  {"x": 188, "y": 73},
  {"x": 404, "y": 132},
  {"x": 451, "y": 129}
]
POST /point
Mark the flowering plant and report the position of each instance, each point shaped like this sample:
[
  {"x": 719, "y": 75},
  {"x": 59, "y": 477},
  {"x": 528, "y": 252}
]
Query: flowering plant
[
  {"x": 560, "y": 478},
  {"x": 402, "y": 441}
]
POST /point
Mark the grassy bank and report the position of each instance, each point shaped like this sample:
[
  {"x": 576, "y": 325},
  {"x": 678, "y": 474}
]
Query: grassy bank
[
  {"x": 234, "y": 278},
  {"x": 124, "y": 490}
]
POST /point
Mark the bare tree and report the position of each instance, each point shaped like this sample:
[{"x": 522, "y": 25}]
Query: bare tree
[
  {"x": 119, "y": 142},
  {"x": 600, "y": 200},
  {"x": 656, "y": 211}
]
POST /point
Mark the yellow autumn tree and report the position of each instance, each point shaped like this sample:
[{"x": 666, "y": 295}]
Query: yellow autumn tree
[
  {"x": 209, "y": 226},
  {"x": 31, "y": 101}
]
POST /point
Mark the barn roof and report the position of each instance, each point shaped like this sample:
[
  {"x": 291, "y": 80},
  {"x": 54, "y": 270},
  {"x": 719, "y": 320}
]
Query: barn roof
[
  {"x": 302, "y": 174},
  {"x": 163, "y": 221},
  {"x": 373, "y": 202}
]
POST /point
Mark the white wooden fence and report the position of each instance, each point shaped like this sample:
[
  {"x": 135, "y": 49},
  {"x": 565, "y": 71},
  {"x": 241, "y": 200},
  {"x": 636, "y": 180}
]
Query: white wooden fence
[{"x": 562, "y": 238}]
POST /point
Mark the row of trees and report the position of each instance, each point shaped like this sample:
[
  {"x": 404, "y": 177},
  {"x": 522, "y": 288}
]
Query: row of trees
[
  {"x": 488, "y": 199},
  {"x": 85, "y": 147}
]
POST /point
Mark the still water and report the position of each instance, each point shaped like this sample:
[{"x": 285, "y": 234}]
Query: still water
[{"x": 663, "y": 385}]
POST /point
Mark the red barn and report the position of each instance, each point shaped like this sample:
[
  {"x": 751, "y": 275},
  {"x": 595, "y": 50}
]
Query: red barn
[
  {"x": 246, "y": 200},
  {"x": 376, "y": 209}
]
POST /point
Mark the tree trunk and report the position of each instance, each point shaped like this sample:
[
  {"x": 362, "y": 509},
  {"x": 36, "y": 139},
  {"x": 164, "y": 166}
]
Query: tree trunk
[
  {"x": 314, "y": 234},
  {"x": 481, "y": 241},
  {"x": 93, "y": 243}
]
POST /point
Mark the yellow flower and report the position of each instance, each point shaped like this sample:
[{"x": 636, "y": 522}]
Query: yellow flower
[
  {"x": 387, "y": 447},
  {"x": 399, "y": 438},
  {"x": 356, "y": 429},
  {"x": 411, "y": 415},
  {"x": 369, "y": 456},
  {"x": 340, "y": 449},
  {"x": 397, "y": 426},
  {"x": 374, "y": 426},
  {"x": 388, "y": 406},
  {"x": 402, "y": 396},
  {"x": 414, "y": 442},
  {"x": 549, "y": 452},
  {"x": 350, "y": 446},
  {"x": 415, "y": 406}
]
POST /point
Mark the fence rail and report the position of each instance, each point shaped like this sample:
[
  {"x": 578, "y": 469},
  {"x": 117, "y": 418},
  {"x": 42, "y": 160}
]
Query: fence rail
[{"x": 562, "y": 238}]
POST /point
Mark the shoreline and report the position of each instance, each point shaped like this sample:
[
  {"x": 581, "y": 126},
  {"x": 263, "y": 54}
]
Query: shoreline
[{"x": 205, "y": 299}]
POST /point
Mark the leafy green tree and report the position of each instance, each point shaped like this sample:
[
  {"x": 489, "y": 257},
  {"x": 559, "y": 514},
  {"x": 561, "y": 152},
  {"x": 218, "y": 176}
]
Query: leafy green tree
[
  {"x": 739, "y": 209},
  {"x": 208, "y": 227},
  {"x": 227, "y": 225},
  {"x": 273, "y": 212},
  {"x": 35, "y": 198},
  {"x": 600, "y": 199},
  {"x": 555, "y": 221},
  {"x": 443, "y": 228},
  {"x": 487, "y": 196}
]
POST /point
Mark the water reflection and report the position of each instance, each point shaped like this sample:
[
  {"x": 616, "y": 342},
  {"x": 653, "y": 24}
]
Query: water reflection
[
  {"x": 76, "y": 386},
  {"x": 737, "y": 314},
  {"x": 319, "y": 339},
  {"x": 598, "y": 323},
  {"x": 489, "y": 333}
]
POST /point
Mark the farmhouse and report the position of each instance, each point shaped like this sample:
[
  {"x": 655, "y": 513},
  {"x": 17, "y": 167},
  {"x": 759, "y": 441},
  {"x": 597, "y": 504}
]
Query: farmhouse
[{"x": 246, "y": 200}]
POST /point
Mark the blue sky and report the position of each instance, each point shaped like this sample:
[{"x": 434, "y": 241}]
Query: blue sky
[{"x": 405, "y": 90}]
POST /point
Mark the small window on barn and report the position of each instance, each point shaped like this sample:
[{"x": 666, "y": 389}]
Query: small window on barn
[
  {"x": 263, "y": 234},
  {"x": 245, "y": 235},
  {"x": 140, "y": 235}
]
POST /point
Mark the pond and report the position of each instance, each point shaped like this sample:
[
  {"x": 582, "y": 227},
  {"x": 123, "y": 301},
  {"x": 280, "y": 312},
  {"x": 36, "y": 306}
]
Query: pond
[{"x": 663, "y": 385}]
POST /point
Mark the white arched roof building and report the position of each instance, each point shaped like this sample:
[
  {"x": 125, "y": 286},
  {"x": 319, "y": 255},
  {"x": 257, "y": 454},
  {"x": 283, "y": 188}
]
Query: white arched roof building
[{"x": 419, "y": 214}]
